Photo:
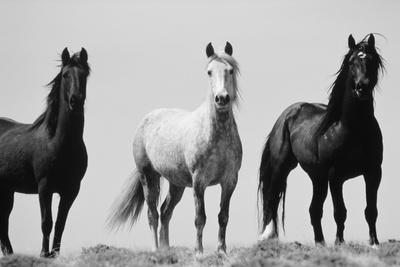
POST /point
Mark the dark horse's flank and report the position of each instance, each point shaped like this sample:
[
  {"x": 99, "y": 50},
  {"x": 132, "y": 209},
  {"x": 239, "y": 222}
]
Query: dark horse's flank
[
  {"x": 48, "y": 156},
  {"x": 332, "y": 143}
]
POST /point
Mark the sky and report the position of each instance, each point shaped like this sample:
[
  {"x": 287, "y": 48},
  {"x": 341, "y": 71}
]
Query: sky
[{"x": 151, "y": 54}]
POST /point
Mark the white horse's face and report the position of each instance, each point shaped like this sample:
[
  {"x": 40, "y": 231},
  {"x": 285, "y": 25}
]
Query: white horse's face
[
  {"x": 222, "y": 79},
  {"x": 222, "y": 85}
]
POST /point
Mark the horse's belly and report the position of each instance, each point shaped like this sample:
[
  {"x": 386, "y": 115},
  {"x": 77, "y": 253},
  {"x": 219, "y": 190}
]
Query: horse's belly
[
  {"x": 177, "y": 175},
  {"x": 179, "y": 180},
  {"x": 175, "y": 172}
]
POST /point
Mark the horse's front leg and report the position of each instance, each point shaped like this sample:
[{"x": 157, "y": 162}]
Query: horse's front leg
[
  {"x": 45, "y": 198},
  {"x": 339, "y": 208},
  {"x": 200, "y": 217},
  {"x": 372, "y": 180},
  {"x": 66, "y": 200},
  {"x": 227, "y": 189}
]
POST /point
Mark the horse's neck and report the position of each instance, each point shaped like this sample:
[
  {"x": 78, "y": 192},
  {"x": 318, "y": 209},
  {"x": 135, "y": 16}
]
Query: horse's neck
[
  {"x": 69, "y": 127},
  {"x": 217, "y": 124},
  {"x": 355, "y": 112}
]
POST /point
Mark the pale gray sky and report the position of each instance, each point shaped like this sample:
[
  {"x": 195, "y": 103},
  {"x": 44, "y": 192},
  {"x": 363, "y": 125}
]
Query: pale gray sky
[{"x": 151, "y": 54}]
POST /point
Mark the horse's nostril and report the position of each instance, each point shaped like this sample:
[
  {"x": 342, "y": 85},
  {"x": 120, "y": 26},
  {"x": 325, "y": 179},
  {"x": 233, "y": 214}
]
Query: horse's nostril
[
  {"x": 73, "y": 100},
  {"x": 222, "y": 100}
]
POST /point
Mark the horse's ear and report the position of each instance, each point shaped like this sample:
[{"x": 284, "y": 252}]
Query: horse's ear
[
  {"x": 65, "y": 57},
  {"x": 228, "y": 48},
  {"x": 209, "y": 50},
  {"x": 371, "y": 40},
  {"x": 83, "y": 56},
  {"x": 351, "y": 42}
]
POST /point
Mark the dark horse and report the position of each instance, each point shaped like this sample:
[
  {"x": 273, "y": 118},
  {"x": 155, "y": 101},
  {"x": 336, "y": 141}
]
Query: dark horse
[
  {"x": 332, "y": 143},
  {"x": 48, "y": 156}
]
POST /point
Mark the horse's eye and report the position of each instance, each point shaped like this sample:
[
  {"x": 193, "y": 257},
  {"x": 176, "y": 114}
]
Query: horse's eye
[
  {"x": 209, "y": 73},
  {"x": 231, "y": 71}
]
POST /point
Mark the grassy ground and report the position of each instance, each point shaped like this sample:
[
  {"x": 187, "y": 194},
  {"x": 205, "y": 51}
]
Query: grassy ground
[{"x": 266, "y": 253}]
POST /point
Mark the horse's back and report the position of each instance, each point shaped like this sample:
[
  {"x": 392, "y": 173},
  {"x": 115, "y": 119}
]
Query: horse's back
[
  {"x": 160, "y": 121},
  {"x": 296, "y": 128},
  {"x": 7, "y": 124},
  {"x": 299, "y": 112},
  {"x": 14, "y": 160},
  {"x": 158, "y": 139},
  {"x": 164, "y": 115}
]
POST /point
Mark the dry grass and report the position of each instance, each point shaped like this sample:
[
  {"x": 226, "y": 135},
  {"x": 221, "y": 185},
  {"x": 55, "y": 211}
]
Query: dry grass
[{"x": 266, "y": 253}]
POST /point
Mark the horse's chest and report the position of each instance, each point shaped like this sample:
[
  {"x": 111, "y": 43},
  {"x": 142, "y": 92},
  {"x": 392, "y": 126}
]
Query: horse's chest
[
  {"x": 67, "y": 163},
  {"x": 217, "y": 161},
  {"x": 349, "y": 157},
  {"x": 355, "y": 159}
]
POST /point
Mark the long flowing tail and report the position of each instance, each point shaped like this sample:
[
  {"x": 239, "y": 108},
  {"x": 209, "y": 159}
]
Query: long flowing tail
[
  {"x": 270, "y": 190},
  {"x": 276, "y": 162},
  {"x": 130, "y": 203}
]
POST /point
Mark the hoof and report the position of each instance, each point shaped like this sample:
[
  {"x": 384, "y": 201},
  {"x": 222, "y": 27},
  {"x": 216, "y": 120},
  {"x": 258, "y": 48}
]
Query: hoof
[
  {"x": 45, "y": 254},
  {"x": 222, "y": 250},
  {"x": 340, "y": 242},
  {"x": 375, "y": 246},
  {"x": 198, "y": 253},
  {"x": 269, "y": 233},
  {"x": 320, "y": 244},
  {"x": 7, "y": 253},
  {"x": 163, "y": 247},
  {"x": 54, "y": 254}
]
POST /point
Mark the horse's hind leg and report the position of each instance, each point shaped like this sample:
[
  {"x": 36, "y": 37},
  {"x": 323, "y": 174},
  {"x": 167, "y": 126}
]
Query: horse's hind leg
[
  {"x": 223, "y": 216},
  {"x": 6, "y": 205},
  {"x": 151, "y": 190},
  {"x": 320, "y": 190},
  {"x": 339, "y": 208},
  {"x": 174, "y": 196},
  {"x": 372, "y": 181}
]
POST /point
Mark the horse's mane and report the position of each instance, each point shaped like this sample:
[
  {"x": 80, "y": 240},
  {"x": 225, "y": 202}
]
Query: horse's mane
[
  {"x": 53, "y": 97},
  {"x": 225, "y": 58},
  {"x": 338, "y": 87}
]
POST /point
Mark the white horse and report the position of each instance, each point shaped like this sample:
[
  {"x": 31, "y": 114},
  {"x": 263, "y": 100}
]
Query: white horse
[{"x": 190, "y": 149}]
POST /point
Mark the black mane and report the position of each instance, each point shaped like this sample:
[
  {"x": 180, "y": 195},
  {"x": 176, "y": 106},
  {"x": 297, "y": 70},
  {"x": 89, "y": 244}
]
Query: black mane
[
  {"x": 334, "y": 108},
  {"x": 53, "y": 97}
]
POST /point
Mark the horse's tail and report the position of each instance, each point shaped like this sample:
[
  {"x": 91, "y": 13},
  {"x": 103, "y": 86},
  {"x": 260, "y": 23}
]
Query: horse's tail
[
  {"x": 277, "y": 161},
  {"x": 130, "y": 203}
]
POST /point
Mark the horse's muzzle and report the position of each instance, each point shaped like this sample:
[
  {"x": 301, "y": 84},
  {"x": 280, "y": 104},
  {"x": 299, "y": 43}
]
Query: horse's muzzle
[
  {"x": 222, "y": 100},
  {"x": 362, "y": 91},
  {"x": 76, "y": 104}
]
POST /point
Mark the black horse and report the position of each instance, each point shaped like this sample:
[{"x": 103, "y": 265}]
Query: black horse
[
  {"x": 48, "y": 156},
  {"x": 332, "y": 143}
]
